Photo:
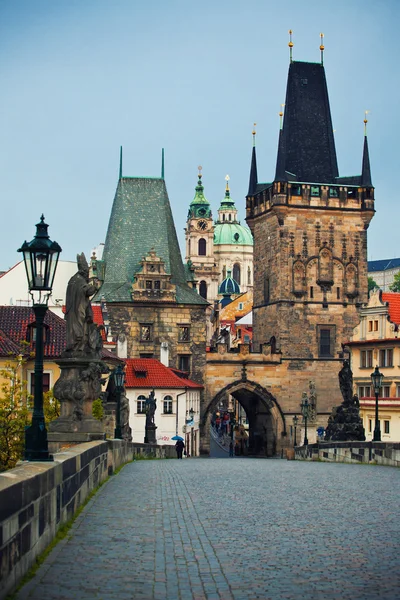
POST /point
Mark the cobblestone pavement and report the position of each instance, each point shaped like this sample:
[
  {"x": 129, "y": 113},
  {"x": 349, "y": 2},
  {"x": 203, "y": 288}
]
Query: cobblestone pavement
[{"x": 232, "y": 529}]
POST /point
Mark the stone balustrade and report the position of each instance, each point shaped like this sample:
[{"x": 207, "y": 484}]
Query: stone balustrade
[{"x": 379, "y": 453}]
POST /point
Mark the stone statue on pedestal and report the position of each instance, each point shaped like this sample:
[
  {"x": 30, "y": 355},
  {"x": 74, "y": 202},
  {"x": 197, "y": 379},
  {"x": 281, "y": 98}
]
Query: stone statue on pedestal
[
  {"x": 150, "y": 407},
  {"x": 80, "y": 382},
  {"x": 345, "y": 423}
]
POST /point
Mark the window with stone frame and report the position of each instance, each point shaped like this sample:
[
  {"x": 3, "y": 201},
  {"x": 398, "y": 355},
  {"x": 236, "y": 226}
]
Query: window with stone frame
[
  {"x": 184, "y": 333},
  {"x": 167, "y": 405},
  {"x": 149, "y": 284},
  {"x": 366, "y": 359},
  {"x": 364, "y": 391},
  {"x": 326, "y": 340},
  {"x": 248, "y": 276},
  {"x": 236, "y": 273},
  {"x": 386, "y": 357},
  {"x": 386, "y": 425},
  {"x": 184, "y": 362},
  {"x": 146, "y": 332},
  {"x": 46, "y": 383},
  {"x": 202, "y": 247},
  {"x": 141, "y": 405},
  {"x": 203, "y": 289}
]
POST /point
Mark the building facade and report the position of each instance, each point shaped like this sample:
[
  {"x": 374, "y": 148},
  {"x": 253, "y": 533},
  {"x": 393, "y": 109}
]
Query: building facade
[
  {"x": 150, "y": 305},
  {"x": 376, "y": 342},
  {"x": 383, "y": 272}
]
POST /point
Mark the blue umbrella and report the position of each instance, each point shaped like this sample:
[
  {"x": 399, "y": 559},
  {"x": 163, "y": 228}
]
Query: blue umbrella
[{"x": 177, "y": 437}]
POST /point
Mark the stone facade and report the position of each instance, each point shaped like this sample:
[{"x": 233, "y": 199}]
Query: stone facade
[{"x": 147, "y": 326}]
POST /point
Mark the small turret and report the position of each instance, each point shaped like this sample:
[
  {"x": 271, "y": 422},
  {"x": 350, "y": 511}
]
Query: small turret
[
  {"x": 366, "y": 180},
  {"x": 253, "y": 169}
]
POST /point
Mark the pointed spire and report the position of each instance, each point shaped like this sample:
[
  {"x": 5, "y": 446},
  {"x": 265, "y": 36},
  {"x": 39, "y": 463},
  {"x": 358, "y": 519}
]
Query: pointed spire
[
  {"x": 366, "y": 180},
  {"x": 227, "y": 192},
  {"x": 253, "y": 181},
  {"x": 290, "y": 44},
  {"x": 322, "y": 48},
  {"x": 162, "y": 163},
  {"x": 280, "y": 173},
  {"x": 120, "y": 162}
]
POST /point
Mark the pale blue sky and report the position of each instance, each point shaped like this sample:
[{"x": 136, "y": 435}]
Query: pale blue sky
[{"x": 79, "y": 78}]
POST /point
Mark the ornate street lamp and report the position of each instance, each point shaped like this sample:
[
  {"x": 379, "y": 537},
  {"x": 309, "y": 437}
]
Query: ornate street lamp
[
  {"x": 377, "y": 379},
  {"x": 305, "y": 408},
  {"x": 119, "y": 381},
  {"x": 295, "y": 421},
  {"x": 40, "y": 258}
]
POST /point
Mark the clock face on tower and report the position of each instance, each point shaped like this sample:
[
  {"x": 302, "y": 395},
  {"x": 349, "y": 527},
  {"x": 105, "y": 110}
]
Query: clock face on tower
[{"x": 202, "y": 225}]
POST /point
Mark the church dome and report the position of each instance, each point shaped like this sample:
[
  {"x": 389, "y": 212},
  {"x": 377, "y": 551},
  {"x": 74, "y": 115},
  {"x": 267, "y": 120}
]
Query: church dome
[
  {"x": 232, "y": 233},
  {"x": 227, "y": 229},
  {"x": 229, "y": 286}
]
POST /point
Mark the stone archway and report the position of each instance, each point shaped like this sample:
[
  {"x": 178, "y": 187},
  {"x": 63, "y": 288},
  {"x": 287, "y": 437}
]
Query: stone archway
[{"x": 266, "y": 420}]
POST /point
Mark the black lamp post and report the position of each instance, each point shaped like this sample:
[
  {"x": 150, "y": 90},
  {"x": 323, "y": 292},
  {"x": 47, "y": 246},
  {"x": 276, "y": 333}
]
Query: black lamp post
[
  {"x": 119, "y": 380},
  {"x": 295, "y": 421},
  {"x": 40, "y": 258},
  {"x": 305, "y": 412},
  {"x": 377, "y": 379}
]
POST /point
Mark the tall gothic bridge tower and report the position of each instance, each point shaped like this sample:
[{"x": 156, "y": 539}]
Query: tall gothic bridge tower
[{"x": 310, "y": 271}]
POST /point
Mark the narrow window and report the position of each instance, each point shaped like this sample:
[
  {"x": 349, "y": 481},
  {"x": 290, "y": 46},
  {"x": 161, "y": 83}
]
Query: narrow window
[
  {"x": 369, "y": 358},
  {"x": 224, "y": 272},
  {"x": 311, "y": 291},
  {"x": 387, "y": 426},
  {"x": 375, "y": 325},
  {"x": 363, "y": 359},
  {"x": 266, "y": 290},
  {"x": 145, "y": 333},
  {"x": 338, "y": 293},
  {"x": 202, "y": 247},
  {"x": 325, "y": 342},
  {"x": 369, "y": 325},
  {"x": 370, "y": 425},
  {"x": 157, "y": 285},
  {"x": 249, "y": 276},
  {"x": 46, "y": 383},
  {"x": 149, "y": 284},
  {"x": 236, "y": 272},
  {"x": 239, "y": 334},
  {"x": 386, "y": 391},
  {"x": 203, "y": 289},
  {"x": 184, "y": 333}
]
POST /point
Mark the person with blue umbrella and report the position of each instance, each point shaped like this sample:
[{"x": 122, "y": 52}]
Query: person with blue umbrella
[{"x": 179, "y": 446}]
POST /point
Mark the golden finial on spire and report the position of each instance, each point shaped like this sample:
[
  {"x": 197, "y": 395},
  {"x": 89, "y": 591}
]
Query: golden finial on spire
[
  {"x": 290, "y": 44},
  {"x": 281, "y": 116},
  {"x": 200, "y": 168},
  {"x": 322, "y": 47},
  {"x": 227, "y": 178},
  {"x": 254, "y": 133},
  {"x": 365, "y": 122}
]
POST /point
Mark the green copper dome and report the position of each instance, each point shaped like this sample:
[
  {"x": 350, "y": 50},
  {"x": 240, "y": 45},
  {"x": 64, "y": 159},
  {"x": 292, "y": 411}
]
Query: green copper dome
[
  {"x": 199, "y": 206},
  {"x": 229, "y": 286},
  {"x": 228, "y": 230},
  {"x": 232, "y": 233}
]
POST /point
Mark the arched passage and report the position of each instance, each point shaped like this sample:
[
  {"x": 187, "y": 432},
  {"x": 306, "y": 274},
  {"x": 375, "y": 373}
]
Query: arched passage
[{"x": 266, "y": 420}]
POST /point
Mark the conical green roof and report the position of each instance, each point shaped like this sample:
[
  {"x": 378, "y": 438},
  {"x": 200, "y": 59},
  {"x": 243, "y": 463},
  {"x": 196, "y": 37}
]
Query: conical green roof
[
  {"x": 199, "y": 206},
  {"x": 141, "y": 219}
]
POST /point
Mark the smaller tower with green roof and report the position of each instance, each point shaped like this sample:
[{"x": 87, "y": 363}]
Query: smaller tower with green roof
[{"x": 199, "y": 234}]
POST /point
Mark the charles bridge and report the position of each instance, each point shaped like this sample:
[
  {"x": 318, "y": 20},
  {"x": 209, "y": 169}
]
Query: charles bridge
[{"x": 202, "y": 528}]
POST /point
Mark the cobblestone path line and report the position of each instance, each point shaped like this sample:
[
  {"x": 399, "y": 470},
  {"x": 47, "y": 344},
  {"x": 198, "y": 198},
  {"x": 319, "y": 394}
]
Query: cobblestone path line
[{"x": 232, "y": 529}]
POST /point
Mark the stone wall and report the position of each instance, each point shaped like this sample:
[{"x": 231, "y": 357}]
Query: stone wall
[
  {"x": 36, "y": 498},
  {"x": 377, "y": 453}
]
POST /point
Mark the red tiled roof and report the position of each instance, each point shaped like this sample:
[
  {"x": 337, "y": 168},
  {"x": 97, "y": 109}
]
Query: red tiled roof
[
  {"x": 7, "y": 346},
  {"x": 156, "y": 375},
  {"x": 14, "y": 322},
  {"x": 394, "y": 305}
]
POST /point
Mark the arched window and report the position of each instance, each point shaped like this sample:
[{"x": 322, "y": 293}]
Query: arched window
[
  {"x": 189, "y": 247},
  {"x": 224, "y": 272},
  {"x": 167, "y": 405},
  {"x": 202, "y": 247},
  {"x": 248, "y": 276},
  {"x": 203, "y": 289},
  {"x": 141, "y": 404},
  {"x": 236, "y": 273}
]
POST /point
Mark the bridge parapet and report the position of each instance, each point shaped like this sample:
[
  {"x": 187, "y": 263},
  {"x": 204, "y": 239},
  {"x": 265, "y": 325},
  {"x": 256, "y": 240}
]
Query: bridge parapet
[
  {"x": 377, "y": 453},
  {"x": 36, "y": 498}
]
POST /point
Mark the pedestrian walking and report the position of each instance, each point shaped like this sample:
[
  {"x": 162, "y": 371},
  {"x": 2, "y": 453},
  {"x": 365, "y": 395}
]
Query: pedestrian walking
[{"x": 179, "y": 446}]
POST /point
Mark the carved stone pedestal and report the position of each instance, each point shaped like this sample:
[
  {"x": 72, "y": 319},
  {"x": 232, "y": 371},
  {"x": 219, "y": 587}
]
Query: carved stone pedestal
[
  {"x": 76, "y": 389},
  {"x": 150, "y": 435}
]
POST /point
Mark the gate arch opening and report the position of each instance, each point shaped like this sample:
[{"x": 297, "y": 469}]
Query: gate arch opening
[{"x": 266, "y": 422}]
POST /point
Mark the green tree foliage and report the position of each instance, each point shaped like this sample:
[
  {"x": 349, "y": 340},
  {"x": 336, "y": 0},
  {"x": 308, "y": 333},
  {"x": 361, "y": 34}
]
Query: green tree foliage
[
  {"x": 371, "y": 284},
  {"x": 97, "y": 409},
  {"x": 51, "y": 407},
  {"x": 14, "y": 414},
  {"x": 395, "y": 287}
]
